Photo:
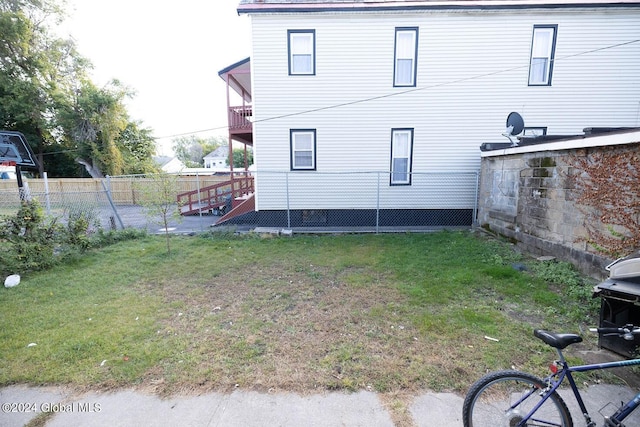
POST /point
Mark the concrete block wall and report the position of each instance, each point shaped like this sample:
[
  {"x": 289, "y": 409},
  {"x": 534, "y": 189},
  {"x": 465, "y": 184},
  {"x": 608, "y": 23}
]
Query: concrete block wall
[{"x": 528, "y": 199}]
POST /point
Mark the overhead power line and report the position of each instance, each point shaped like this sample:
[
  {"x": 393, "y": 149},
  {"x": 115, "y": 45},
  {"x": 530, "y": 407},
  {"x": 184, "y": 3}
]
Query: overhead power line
[{"x": 404, "y": 92}]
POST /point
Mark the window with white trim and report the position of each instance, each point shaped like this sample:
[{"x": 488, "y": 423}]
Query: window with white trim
[
  {"x": 406, "y": 51},
  {"x": 301, "y": 45},
  {"x": 303, "y": 149},
  {"x": 543, "y": 46},
  {"x": 401, "y": 153}
]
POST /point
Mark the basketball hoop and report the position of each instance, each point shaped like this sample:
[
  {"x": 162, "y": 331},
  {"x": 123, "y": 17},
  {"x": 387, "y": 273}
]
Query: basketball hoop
[
  {"x": 15, "y": 149},
  {"x": 8, "y": 163}
]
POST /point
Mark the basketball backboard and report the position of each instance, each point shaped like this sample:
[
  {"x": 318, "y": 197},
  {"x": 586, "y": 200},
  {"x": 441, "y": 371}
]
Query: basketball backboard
[{"x": 14, "y": 149}]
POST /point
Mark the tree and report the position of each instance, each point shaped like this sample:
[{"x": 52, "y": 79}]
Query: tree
[
  {"x": 159, "y": 192},
  {"x": 94, "y": 122},
  {"x": 192, "y": 149},
  {"x": 37, "y": 71},
  {"x": 239, "y": 160},
  {"x": 46, "y": 94},
  {"x": 138, "y": 147},
  {"x": 60, "y": 162}
]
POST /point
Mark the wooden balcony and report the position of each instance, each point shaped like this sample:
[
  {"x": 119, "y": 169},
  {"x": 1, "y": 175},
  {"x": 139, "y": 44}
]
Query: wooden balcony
[{"x": 240, "y": 125}]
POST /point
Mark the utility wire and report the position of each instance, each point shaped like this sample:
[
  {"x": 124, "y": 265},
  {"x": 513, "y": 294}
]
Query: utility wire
[
  {"x": 389, "y": 95},
  {"x": 404, "y": 92}
]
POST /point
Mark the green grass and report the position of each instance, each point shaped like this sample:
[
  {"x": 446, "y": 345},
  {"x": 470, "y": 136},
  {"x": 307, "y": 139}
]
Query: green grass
[{"x": 382, "y": 312}]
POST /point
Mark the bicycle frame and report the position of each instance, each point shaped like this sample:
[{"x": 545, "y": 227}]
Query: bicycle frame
[{"x": 555, "y": 380}]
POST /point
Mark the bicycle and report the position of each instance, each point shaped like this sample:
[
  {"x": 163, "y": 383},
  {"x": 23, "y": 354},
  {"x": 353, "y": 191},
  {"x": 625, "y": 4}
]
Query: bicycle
[{"x": 514, "y": 398}]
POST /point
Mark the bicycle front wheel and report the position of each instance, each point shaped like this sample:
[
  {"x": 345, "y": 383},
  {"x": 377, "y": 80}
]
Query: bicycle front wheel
[{"x": 505, "y": 398}]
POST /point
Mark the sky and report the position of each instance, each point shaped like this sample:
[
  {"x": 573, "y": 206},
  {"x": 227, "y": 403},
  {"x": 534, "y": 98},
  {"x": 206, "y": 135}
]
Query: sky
[{"x": 169, "y": 53}]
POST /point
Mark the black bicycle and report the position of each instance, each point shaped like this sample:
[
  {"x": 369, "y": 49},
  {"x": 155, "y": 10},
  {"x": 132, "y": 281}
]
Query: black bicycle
[{"x": 513, "y": 398}]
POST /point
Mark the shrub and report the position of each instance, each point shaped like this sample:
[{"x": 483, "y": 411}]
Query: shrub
[{"x": 28, "y": 240}]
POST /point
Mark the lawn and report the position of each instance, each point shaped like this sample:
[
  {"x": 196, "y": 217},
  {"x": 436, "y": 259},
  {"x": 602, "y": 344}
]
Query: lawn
[{"x": 395, "y": 313}]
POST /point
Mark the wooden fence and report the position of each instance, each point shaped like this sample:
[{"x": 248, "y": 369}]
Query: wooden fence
[{"x": 123, "y": 190}]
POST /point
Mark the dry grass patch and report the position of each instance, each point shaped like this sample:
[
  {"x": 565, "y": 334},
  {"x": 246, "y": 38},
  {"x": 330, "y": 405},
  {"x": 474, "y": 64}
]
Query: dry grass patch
[{"x": 288, "y": 330}]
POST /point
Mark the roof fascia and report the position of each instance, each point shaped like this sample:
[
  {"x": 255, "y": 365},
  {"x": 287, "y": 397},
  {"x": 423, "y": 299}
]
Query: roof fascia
[
  {"x": 233, "y": 66},
  {"x": 572, "y": 143},
  {"x": 435, "y": 5}
]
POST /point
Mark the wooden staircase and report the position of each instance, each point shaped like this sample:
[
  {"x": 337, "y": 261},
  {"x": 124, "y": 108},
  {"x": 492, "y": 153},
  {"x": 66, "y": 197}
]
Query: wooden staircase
[
  {"x": 218, "y": 198},
  {"x": 244, "y": 206}
]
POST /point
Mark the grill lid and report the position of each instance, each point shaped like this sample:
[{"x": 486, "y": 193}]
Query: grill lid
[
  {"x": 621, "y": 289},
  {"x": 625, "y": 268}
]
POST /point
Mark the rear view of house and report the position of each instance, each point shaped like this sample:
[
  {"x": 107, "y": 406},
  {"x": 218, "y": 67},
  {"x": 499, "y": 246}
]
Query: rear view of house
[{"x": 372, "y": 113}]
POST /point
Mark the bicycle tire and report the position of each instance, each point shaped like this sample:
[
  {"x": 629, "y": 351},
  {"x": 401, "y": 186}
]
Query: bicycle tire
[{"x": 490, "y": 399}]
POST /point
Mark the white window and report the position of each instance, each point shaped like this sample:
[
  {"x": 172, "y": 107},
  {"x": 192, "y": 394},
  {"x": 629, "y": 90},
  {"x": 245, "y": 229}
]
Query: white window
[
  {"x": 303, "y": 149},
  {"x": 542, "y": 53},
  {"x": 401, "y": 152},
  {"x": 405, "y": 57},
  {"x": 302, "y": 52}
]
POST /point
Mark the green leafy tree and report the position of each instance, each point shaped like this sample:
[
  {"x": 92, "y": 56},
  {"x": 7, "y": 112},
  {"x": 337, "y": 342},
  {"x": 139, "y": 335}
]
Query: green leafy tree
[
  {"x": 138, "y": 147},
  {"x": 46, "y": 94},
  {"x": 37, "y": 71},
  {"x": 191, "y": 150},
  {"x": 239, "y": 160},
  {"x": 95, "y": 123},
  {"x": 60, "y": 161}
]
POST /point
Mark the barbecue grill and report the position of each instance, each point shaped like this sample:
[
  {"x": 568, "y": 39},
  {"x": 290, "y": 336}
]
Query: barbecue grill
[{"x": 620, "y": 295}]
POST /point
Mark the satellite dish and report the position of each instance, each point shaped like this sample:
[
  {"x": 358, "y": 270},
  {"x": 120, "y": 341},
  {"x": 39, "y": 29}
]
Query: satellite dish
[
  {"x": 515, "y": 126},
  {"x": 516, "y": 121}
]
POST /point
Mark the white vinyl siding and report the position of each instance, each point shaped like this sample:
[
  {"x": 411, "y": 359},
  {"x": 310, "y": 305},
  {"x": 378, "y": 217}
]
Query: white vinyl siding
[
  {"x": 542, "y": 52},
  {"x": 301, "y": 52},
  {"x": 401, "y": 149},
  {"x": 303, "y": 149},
  {"x": 406, "y": 47},
  {"x": 468, "y": 82}
]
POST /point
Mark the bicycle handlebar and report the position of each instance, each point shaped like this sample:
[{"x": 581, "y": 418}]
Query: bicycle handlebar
[{"x": 627, "y": 331}]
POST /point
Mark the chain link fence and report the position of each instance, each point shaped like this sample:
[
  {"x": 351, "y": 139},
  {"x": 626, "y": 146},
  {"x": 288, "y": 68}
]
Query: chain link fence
[
  {"x": 302, "y": 201},
  {"x": 364, "y": 201},
  {"x": 63, "y": 199}
]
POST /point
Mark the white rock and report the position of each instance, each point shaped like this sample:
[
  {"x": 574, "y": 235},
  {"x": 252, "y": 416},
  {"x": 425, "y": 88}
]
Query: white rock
[{"x": 12, "y": 281}]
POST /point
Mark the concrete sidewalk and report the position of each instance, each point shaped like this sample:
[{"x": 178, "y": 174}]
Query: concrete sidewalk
[{"x": 245, "y": 408}]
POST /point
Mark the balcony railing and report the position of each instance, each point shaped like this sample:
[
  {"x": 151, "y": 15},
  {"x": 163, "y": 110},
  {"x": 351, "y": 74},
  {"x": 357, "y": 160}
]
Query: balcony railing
[{"x": 239, "y": 118}]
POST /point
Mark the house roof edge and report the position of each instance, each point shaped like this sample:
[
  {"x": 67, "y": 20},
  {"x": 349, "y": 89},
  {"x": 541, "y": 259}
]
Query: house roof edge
[
  {"x": 599, "y": 138},
  {"x": 233, "y": 66},
  {"x": 359, "y": 6}
]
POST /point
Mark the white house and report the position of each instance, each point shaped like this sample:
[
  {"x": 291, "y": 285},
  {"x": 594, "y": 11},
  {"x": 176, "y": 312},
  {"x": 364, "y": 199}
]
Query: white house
[
  {"x": 169, "y": 164},
  {"x": 217, "y": 159},
  {"x": 379, "y": 108}
]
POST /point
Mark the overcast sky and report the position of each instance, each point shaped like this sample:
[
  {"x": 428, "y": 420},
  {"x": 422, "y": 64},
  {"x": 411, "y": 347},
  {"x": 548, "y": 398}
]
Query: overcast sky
[{"x": 169, "y": 53}]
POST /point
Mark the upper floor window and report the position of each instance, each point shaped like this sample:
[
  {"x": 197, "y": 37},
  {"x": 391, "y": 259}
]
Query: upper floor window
[
  {"x": 401, "y": 153},
  {"x": 303, "y": 149},
  {"x": 543, "y": 47},
  {"x": 406, "y": 51},
  {"x": 302, "y": 52}
]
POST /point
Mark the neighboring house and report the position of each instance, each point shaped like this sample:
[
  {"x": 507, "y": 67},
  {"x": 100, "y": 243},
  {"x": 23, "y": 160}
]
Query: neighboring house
[
  {"x": 169, "y": 164},
  {"x": 408, "y": 90},
  {"x": 217, "y": 159}
]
